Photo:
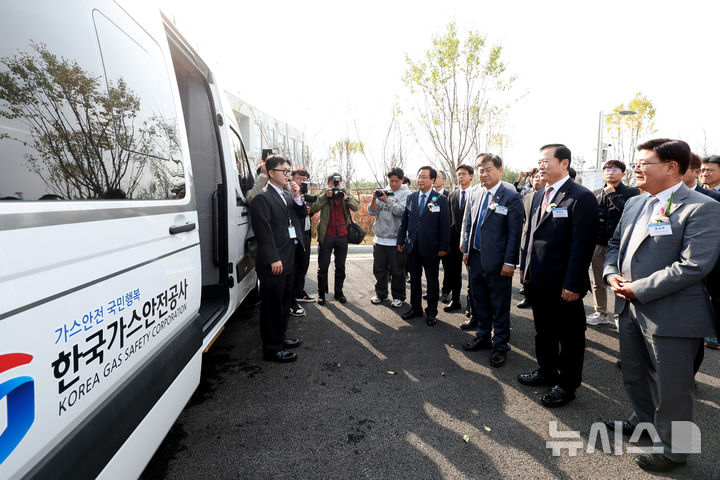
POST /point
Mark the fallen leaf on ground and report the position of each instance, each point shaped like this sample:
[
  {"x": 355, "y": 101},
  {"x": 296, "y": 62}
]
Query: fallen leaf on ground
[
  {"x": 443, "y": 374},
  {"x": 466, "y": 437},
  {"x": 487, "y": 429},
  {"x": 390, "y": 372}
]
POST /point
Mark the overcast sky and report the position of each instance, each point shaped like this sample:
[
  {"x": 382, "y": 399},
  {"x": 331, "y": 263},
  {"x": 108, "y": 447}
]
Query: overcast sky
[{"x": 324, "y": 66}]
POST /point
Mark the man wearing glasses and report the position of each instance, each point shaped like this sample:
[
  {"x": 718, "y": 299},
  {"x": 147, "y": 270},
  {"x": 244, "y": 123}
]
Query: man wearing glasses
[
  {"x": 667, "y": 241},
  {"x": 611, "y": 203},
  {"x": 276, "y": 217}
]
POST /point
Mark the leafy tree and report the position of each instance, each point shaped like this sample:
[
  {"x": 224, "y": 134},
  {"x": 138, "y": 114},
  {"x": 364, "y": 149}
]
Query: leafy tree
[
  {"x": 344, "y": 152},
  {"x": 626, "y": 131},
  {"x": 460, "y": 90}
]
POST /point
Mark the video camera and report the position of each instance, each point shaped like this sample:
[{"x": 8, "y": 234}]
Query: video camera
[
  {"x": 338, "y": 193},
  {"x": 379, "y": 193},
  {"x": 304, "y": 189}
]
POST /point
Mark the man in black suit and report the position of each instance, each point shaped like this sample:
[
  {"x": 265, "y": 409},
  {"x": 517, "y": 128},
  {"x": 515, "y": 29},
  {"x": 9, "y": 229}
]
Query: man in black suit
[
  {"x": 713, "y": 279},
  {"x": 453, "y": 265},
  {"x": 554, "y": 269},
  {"x": 491, "y": 246},
  {"x": 276, "y": 220},
  {"x": 425, "y": 236}
]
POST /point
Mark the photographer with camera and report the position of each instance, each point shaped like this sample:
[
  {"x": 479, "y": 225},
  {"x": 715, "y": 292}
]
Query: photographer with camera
[
  {"x": 332, "y": 234},
  {"x": 388, "y": 207},
  {"x": 302, "y": 259}
]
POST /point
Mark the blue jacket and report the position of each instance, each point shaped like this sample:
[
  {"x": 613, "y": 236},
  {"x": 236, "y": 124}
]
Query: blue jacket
[{"x": 427, "y": 230}]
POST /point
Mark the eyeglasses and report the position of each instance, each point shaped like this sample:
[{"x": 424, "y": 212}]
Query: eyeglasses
[
  {"x": 285, "y": 172},
  {"x": 642, "y": 165},
  {"x": 611, "y": 170},
  {"x": 543, "y": 162}
]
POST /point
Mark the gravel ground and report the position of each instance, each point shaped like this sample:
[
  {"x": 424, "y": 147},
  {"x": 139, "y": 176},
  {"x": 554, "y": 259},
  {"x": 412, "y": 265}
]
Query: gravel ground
[{"x": 374, "y": 396}]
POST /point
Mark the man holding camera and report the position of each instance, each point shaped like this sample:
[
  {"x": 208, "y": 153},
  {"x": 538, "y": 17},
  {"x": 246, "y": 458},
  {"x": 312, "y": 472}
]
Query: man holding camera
[
  {"x": 388, "y": 207},
  {"x": 332, "y": 234},
  {"x": 302, "y": 260}
]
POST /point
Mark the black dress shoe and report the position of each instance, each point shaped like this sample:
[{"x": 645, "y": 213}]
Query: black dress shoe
[
  {"x": 431, "y": 321},
  {"x": 657, "y": 462},
  {"x": 468, "y": 313},
  {"x": 522, "y": 290},
  {"x": 340, "y": 297},
  {"x": 412, "y": 313},
  {"x": 321, "y": 300},
  {"x": 524, "y": 303},
  {"x": 627, "y": 427},
  {"x": 445, "y": 298},
  {"x": 468, "y": 324},
  {"x": 557, "y": 397},
  {"x": 497, "y": 359},
  {"x": 291, "y": 343},
  {"x": 280, "y": 357},
  {"x": 535, "y": 378},
  {"x": 478, "y": 343},
  {"x": 452, "y": 307},
  {"x": 425, "y": 297}
]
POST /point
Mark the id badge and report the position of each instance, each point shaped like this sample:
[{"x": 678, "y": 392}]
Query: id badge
[
  {"x": 435, "y": 208},
  {"x": 660, "y": 229},
  {"x": 291, "y": 232},
  {"x": 501, "y": 210},
  {"x": 560, "y": 212}
]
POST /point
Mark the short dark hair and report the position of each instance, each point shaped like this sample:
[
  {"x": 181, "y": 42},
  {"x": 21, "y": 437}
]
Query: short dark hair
[
  {"x": 469, "y": 169},
  {"x": 572, "y": 173},
  {"x": 300, "y": 171},
  {"x": 615, "y": 163},
  {"x": 396, "y": 172},
  {"x": 443, "y": 174},
  {"x": 695, "y": 161},
  {"x": 669, "y": 150},
  {"x": 406, "y": 181},
  {"x": 335, "y": 174},
  {"x": 533, "y": 172},
  {"x": 712, "y": 159},
  {"x": 561, "y": 152},
  {"x": 495, "y": 159},
  {"x": 273, "y": 161},
  {"x": 432, "y": 171},
  {"x": 481, "y": 158}
]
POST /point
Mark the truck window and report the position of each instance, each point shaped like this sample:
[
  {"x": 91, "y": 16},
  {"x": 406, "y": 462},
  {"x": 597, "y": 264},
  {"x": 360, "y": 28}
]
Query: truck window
[{"x": 241, "y": 161}]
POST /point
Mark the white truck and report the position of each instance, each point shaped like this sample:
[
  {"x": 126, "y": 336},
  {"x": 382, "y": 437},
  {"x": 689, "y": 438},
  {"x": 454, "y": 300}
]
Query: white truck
[{"x": 124, "y": 233}]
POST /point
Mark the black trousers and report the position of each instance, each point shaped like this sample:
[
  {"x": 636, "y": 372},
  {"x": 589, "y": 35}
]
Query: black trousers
[
  {"x": 339, "y": 245},
  {"x": 431, "y": 264},
  {"x": 275, "y": 292},
  {"x": 302, "y": 263},
  {"x": 559, "y": 337},
  {"x": 387, "y": 258},
  {"x": 452, "y": 281}
]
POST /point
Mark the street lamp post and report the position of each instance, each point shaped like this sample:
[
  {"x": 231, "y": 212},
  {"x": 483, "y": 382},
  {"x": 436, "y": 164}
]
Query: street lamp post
[{"x": 600, "y": 146}]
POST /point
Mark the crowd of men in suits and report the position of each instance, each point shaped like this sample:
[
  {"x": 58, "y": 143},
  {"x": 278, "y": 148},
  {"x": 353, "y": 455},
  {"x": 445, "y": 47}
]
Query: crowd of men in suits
[{"x": 656, "y": 250}]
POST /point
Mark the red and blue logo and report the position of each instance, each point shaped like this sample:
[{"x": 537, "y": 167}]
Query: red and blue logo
[{"x": 19, "y": 395}]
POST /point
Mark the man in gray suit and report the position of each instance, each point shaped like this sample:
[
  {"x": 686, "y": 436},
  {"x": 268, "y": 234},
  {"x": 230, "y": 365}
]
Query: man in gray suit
[{"x": 665, "y": 244}]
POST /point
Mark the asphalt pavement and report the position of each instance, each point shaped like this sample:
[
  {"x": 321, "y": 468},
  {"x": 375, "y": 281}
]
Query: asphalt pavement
[{"x": 374, "y": 396}]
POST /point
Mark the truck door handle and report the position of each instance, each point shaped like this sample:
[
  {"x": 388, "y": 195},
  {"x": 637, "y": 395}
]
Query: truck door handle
[
  {"x": 244, "y": 214},
  {"x": 175, "y": 229}
]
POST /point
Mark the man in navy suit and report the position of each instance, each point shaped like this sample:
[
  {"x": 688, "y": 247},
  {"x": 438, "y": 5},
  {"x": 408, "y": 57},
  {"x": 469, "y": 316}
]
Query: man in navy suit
[
  {"x": 554, "y": 269},
  {"x": 491, "y": 245},
  {"x": 425, "y": 236}
]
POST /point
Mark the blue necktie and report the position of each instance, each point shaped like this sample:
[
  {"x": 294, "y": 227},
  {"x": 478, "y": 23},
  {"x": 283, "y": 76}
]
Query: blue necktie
[
  {"x": 422, "y": 204},
  {"x": 483, "y": 209},
  {"x": 462, "y": 200}
]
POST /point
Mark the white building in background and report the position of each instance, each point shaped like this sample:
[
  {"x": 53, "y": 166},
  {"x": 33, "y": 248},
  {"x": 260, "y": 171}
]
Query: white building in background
[{"x": 259, "y": 130}]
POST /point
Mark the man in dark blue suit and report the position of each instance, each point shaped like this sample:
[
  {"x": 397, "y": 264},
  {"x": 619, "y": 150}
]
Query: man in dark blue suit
[
  {"x": 425, "y": 236},
  {"x": 493, "y": 226},
  {"x": 554, "y": 268}
]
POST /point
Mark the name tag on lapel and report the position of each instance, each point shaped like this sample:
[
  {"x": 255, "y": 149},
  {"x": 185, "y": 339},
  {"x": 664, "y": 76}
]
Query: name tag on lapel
[
  {"x": 560, "y": 212},
  {"x": 501, "y": 210},
  {"x": 435, "y": 208},
  {"x": 660, "y": 229},
  {"x": 291, "y": 232}
]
